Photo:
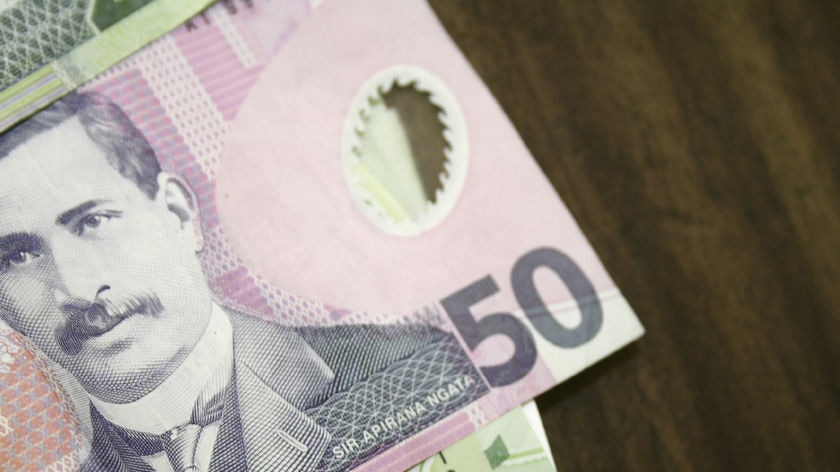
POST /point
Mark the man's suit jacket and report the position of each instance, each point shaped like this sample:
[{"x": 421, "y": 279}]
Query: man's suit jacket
[{"x": 284, "y": 377}]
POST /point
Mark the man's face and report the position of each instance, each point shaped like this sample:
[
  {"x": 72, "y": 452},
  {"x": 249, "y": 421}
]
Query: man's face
[{"x": 103, "y": 279}]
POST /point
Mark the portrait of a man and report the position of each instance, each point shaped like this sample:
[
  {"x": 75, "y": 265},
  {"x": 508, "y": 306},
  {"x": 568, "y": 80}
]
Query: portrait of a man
[{"x": 99, "y": 270}]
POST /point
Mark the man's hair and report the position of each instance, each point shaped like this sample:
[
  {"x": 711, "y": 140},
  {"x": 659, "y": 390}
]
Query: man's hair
[{"x": 125, "y": 147}]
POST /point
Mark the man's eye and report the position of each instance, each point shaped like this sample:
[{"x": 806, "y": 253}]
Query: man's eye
[
  {"x": 92, "y": 221},
  {"x": 17, "y": 259}
]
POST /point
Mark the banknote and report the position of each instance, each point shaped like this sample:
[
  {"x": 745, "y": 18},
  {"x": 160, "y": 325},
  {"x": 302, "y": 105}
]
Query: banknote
[
  {"x": 52, "y": 46},
  {"x": 513, "y": 442},
  {"x": 276, "y": 240}
]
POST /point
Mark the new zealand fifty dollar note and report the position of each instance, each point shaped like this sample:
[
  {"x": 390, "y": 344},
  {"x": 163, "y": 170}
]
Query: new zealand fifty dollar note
[
  {"x": 264, "y": 243},
  {"x": 50, "y": 47}
]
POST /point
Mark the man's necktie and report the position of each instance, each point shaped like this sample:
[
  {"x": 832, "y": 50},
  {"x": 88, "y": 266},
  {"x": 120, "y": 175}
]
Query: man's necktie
[{"x": 181, "y": 443}]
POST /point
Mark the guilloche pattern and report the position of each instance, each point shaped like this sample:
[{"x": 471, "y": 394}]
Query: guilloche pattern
[
  {"x": 33, "y": 33},
  {"x": 407, "y": 397}
]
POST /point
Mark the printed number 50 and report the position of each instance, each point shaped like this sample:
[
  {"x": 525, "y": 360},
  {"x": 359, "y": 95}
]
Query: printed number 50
[{"x": 475, "y": 332}]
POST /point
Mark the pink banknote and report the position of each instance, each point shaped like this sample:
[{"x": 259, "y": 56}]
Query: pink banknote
[{"x": 346, "y": 259}]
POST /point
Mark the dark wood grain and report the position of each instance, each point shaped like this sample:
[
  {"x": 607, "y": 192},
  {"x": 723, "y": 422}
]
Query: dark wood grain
[{"x": 698, "y": 146}]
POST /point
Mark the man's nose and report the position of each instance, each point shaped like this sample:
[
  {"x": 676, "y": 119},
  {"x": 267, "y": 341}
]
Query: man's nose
[{"x": 81, "y": 272}]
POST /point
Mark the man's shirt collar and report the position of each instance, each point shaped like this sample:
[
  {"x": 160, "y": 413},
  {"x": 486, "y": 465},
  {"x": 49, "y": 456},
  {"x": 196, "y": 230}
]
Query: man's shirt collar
[{"x": 205, "y": 372}]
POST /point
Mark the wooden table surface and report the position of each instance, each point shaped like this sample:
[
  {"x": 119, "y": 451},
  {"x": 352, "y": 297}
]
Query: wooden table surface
[{"x": 697, "y": 145}]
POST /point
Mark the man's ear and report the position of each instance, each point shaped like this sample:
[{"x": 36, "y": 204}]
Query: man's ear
[{"x": 179, "y": 198}]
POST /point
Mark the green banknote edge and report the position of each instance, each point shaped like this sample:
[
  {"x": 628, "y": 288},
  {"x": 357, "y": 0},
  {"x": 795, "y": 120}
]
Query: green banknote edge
[
  {"x": 514, "y": 442},
  {"x": 130, "y": 34},
  {"x": 93, "y": 57},
  {"x": 37, "y": 92}
]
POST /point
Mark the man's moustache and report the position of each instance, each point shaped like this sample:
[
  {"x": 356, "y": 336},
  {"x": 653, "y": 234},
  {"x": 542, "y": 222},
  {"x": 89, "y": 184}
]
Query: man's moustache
[{"x": 88, "y": 320}]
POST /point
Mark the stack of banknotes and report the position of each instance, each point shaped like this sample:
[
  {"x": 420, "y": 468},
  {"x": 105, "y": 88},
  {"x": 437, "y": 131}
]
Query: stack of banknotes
[{"x": 281, "y": 235}]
